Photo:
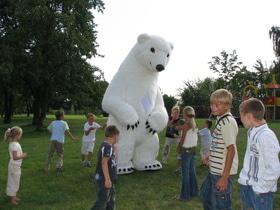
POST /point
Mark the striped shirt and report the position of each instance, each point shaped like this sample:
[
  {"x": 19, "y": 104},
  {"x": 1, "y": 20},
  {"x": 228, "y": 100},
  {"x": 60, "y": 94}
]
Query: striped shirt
[{"x": 224, "y": 135}]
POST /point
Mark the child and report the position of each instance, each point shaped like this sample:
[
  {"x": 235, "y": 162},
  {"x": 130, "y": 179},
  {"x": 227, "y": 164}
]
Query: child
[
  {"x": 13, "y": 135},
  {"x": 206, "y": 139},
  {"x": 261, "y": 168},
  {"x": 223, "y": 159},
  {"x": 106, "y": 171},
  {"x": 90, "y": 128},
  {"x": 187, "y": 148},
  {"x": 172, "y": 135},
  {"x": 57, "y": 128}
]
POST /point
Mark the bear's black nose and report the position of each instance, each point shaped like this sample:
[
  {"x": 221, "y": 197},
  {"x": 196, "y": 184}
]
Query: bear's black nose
[{"x": 160, "y": 67}]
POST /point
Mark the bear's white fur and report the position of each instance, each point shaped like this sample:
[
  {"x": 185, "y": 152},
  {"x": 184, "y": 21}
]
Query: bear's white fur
[{"x": 135, "y": 105}]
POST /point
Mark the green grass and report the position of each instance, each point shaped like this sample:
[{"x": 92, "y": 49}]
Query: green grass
[{"x": 74, "y": 191}]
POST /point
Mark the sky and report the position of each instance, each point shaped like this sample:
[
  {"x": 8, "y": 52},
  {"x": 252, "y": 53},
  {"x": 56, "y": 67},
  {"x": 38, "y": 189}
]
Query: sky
[{"x": 198, "y": 29}]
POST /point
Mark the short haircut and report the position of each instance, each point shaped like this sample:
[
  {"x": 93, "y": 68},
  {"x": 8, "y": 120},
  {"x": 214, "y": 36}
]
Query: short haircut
[
  {"x": 253, "y": 106},
  {"x": 90, "y": 115},
  {"x": 58, "y": 114},
  {"x": 221, "y": 96},
  {"x": 111, "y": 131},
  {"x": 209, "y": 123}
]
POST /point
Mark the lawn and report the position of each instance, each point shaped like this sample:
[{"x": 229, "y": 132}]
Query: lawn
[{"x": 74, "y": 190}]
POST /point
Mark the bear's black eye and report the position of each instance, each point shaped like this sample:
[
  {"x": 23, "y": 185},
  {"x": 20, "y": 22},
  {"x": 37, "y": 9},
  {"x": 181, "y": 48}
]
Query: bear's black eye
[
  {"x": 167, "y": 55},
  {"x": 153, "y": 50}
]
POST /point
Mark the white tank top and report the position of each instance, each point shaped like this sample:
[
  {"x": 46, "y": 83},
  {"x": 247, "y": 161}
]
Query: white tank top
[{"x": 190, "y": 138}]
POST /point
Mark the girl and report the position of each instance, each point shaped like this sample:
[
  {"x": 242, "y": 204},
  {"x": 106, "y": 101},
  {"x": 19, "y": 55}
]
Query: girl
[
  {"x": 13, "y": 135},
  {"x": 172, "y": 136},
  {"x": 187, "y": 147}
]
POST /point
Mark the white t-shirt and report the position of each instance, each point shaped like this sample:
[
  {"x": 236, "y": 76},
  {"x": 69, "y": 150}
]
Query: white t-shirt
[
  {"x": 15, "y": 146},
  {"x": 206, "y": 138},
  {"x": 91, "y": 135},
  {"x": 58, "y": 128},
  {"x": 261, "y": 167},
  {"x": 190, "y": 138}
]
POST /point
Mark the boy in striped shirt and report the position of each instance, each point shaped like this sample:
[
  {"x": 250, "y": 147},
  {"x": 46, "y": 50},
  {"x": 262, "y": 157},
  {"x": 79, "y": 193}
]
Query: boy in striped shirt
[{"x": 223, "y": 159}]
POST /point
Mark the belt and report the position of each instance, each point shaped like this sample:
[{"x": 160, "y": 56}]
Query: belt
[{"x": 189, "y": 149}]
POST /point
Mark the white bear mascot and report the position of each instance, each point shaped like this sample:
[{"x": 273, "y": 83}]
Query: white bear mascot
[{"x": 135, "y": 105}]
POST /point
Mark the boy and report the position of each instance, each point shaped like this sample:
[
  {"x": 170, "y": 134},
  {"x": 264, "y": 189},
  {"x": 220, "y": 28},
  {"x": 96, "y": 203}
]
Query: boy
[
  {"x": 172, "y": 135},
  {"x": 223, "y": 159},
  {"x": 106, "y": 171},
  {"x": 261, "y": 168},
  {"x": 90, "y": 128},
  {"x": 206, "y": 139},
  {"x": 57, "y": 128}
]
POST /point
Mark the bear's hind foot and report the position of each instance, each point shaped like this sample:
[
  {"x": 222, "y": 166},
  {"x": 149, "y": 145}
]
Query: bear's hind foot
[{"x": 125, "y": 170}]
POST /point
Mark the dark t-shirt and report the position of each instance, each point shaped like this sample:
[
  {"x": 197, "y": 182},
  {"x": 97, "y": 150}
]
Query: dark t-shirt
[
  {"x": 106, "y": 150},
  {"x": 171, "y": 129}
]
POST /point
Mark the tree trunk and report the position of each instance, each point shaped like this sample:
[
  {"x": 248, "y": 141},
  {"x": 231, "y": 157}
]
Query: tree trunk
[
  {"x": 28, "y": 107},
  {"x": 8, "y": 106},
  {"x": 36, "y": 109},
  {"x": 40, "y": 106}
]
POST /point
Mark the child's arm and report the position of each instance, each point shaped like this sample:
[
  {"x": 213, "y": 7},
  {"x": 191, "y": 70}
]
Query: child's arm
[
  {"x": 18, "y": 157},
  {"x": 184, "y": 130},
  {"x": 221, "y": 184},
  {"x": 88, "y": 131},
  {"x": 70, "y": 135},
  {"x": 104, "y": 164}
]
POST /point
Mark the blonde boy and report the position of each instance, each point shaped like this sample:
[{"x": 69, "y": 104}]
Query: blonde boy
[
  {"x": 88, "y": 143},
  {"x": 261, "y": 167},
  {"x": 223, "y": 159}
]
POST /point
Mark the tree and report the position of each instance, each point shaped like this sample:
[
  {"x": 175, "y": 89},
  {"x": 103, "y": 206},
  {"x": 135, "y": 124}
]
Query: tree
[
  {"x": 196, "y": 94},
  {"x": 169, "y": 102},
  {"x": 60, "y": 37},
  {"x": 226, "y": 66},
  {"x": 274, "y": 34},
  {"x": 10, "y": 56}
]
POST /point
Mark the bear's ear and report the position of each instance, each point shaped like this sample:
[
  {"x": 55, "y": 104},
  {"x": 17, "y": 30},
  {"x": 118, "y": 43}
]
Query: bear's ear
[
  {"x": 143, "y": 38},
  {"x": 171, "y": 45}
]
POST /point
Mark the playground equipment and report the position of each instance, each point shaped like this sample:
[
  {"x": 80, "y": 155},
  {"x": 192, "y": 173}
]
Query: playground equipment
[{"x": 272, "y": 100}]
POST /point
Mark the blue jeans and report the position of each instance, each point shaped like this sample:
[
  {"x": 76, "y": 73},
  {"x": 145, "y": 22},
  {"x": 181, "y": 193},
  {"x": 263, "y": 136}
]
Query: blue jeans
[
  {"x": 212, "y": 198},
  {"x": 189, "y": 183},
  {"x": 253, "y": 201},
  {"x": 105, "y": 198}
]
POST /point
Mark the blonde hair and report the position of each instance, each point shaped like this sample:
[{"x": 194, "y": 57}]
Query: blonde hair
[
  {"x": 175, "y": 108},
  {"x": 221, "y": 96},
  {"x": 90, "y": 115},
  {"x": 189, "y": 111},
  {"x": 12, "y": 134}
]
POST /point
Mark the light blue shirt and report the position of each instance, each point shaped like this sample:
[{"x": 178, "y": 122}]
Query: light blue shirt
[{"x": 58, "y": 128}]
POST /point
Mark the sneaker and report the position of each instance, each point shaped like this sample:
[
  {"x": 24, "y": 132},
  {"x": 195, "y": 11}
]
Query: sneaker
[
  {"x": 59, "y": 170},
  {"x": 178, "y": 170},
  {"x": 88, "y": 164},
  {"x": 164, "y": 161}
]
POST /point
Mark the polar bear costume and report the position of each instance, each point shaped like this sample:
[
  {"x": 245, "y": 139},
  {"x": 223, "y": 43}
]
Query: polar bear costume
[{"x": 135, "y": 105}]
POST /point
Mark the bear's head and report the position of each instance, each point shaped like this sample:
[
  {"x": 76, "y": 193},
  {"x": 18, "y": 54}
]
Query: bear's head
[{"x": 153, "y": 52}]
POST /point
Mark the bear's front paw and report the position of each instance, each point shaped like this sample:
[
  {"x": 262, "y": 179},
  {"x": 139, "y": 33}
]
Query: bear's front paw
[
  {"x": 156, "y": 122},
  {"x": 133, "y": 126},
  {"x": 150, "y": 129}
]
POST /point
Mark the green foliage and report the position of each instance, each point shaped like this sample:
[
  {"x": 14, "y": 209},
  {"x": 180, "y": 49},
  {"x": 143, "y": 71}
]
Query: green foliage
[
  {"x": 274, "y": 34},
  {"x": 73, "y": 190},
  {"x": 47, "y": 44},
  {"x": 169, "y": 102}
]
